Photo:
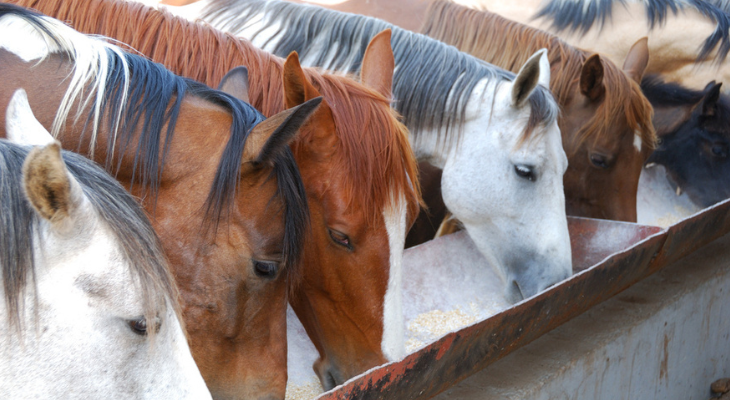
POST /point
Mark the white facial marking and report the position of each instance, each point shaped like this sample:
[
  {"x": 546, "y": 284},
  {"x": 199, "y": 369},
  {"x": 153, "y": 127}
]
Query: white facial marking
[
  {"x": 637, "y": 141},
  {"x": 393, "y": 344},
  {"x": 90, "y": 61},
  {"x": 21, "y": 39}
]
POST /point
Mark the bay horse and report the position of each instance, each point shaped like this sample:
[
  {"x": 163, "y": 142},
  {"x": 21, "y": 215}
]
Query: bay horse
[
  {"x": 605, "y": 120},
  {"x": 89, "y": 307},
  {"x": 232, "y": 229},
  {"x": 689, "y": 41},
  {"x": 695, "y": 138},
  {"x": 357, "y": 166},
  {"x": 492, "y": 132}
]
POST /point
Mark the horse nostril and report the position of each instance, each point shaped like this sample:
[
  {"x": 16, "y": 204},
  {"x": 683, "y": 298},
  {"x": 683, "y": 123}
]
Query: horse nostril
[
  {"x": 329, "y": 381},
  {"x": 515, "y": 293}
]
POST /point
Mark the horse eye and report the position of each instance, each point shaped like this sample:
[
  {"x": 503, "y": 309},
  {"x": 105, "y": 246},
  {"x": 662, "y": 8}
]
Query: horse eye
[
  {"x": 599, "y": 161},
  {"x": 138, "y": 326},
  {"x": 265, "y": 269},
  {"x": 719, "y": 150},
  {"x": 340, "y": 238},
  {"x": 525, "y": 172}
]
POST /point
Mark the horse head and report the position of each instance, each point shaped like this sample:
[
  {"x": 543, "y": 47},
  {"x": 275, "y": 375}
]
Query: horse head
[
  {"x": 517, "y": 175},
  {"x": 694, "y": 145},
  {"x": 357, "y": 167},
  {"x": 610, "y": 138},
  {"x": 358, "y": 173}
]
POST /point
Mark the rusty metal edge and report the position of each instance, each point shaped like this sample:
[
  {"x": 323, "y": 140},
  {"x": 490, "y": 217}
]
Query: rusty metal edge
[
  {"x": 460, "y": 354},
  {"x": 693, "y": 232}
]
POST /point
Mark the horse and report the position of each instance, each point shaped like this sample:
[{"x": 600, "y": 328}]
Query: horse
[
  {"x": 458, "y": 110},
  {"x": 89, "y": 306},
  {"x": 695, "y": 138},
  {"x": 605, "y": 120},
  {"x": 233, "y": 229},
  {"x": 357, "y": 166},
  {"x": 688, "y": 40}
]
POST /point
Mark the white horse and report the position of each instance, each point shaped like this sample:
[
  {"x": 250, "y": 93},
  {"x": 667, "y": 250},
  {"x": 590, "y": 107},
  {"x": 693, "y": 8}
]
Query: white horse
[
  {"x": 89, "y": 308},
  {"x": 493, "y": 133}
]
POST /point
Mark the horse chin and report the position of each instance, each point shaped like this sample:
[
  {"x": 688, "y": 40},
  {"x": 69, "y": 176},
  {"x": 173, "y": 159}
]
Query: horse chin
[{"x": 329, "y": 375}]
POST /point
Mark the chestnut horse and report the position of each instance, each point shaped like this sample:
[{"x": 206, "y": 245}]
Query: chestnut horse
[
  {"x": 494, "y": 133},
  {"x": 233, "y": 229},
  {"x": 694, "y": 128},
  {"x": 688, "y": 40},
  {"x": 358, "y": 170},
  {"x": 605, "y": 120}
]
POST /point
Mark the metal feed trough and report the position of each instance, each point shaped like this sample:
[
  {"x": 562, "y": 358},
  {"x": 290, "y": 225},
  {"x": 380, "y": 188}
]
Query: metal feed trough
[{"x": 600, "y": 273}]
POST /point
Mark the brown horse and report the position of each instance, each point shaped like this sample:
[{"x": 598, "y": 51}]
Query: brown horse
[
  {"x": 232, "y": 229},
  {"x": 356, "y": 163},
  {"x": 605, "y": 119}
]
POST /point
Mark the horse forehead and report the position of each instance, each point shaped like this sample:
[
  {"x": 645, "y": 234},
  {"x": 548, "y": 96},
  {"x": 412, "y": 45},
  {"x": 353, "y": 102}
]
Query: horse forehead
[{"x": 22, "y": 39}]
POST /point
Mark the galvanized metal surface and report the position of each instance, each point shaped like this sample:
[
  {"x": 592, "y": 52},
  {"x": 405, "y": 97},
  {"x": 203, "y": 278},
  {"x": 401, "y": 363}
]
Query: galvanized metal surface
[{"x": 462, "y": 353}]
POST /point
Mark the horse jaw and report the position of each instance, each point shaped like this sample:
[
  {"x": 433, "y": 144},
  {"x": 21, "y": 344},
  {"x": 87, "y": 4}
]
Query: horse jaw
[{"x": 520, "y": 226}]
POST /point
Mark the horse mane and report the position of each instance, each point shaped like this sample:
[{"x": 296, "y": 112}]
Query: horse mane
[
  {"x": 670, "y": 94},
  {"x": 379, "y": 165},
  {"x": 662, "y": 93},
  {"x": 20, "y": 227},
  {"x": 581, "y": 15},
  {"x": 426, "y": 70},
  {"x": 480, "y": 32},
  {"x": 137, "y": 92}
]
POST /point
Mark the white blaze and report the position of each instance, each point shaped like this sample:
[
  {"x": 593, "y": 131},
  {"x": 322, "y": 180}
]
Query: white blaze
[{"x": 393, "y": 344}]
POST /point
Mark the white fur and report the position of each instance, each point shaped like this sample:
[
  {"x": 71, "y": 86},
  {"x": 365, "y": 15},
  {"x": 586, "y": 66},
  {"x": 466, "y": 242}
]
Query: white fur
[
  {"x": 76, "y": 341},
  {"x": 21, "y": 125},
  {"x": 393, "y": 343},
  {"x": 637, "y": 141},
  {"x": 91, "y": 63},
  {"x": 519, "y": 226}
]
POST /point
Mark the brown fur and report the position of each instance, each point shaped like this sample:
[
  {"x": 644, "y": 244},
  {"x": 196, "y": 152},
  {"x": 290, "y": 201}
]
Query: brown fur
[{"x": 46, "y": 183}]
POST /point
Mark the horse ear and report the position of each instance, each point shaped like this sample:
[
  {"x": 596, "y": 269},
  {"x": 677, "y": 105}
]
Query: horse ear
[
  {"x": 378, "y": 64},
  {"x": 637, "y": 59},
  {"x": 21, "y": 126},
  {"x": 535, "y": 70},
  {"x": 591, "y": 77},
  {"x": 709, "y": 101},
  {"x": 297, "y": 88},
  {"x": 322, "y": 139},
  {"x": 270, "y": 138},
  {"x": 235, "y": 83},
  {"x": 53, "y": 193}
]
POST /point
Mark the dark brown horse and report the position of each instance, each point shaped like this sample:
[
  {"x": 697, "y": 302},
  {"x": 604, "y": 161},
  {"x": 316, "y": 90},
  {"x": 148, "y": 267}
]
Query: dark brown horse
[
  {"x": 359, "y": 173},
  {"x": 694, "y": 131},
  {"x": 218, "y": 178}
]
